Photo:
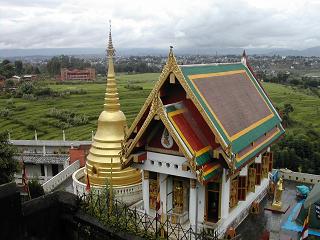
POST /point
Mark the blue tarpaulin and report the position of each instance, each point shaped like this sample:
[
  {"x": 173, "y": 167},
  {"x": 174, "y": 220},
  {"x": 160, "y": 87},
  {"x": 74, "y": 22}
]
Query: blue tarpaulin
[{"x": 303, "y": 190}]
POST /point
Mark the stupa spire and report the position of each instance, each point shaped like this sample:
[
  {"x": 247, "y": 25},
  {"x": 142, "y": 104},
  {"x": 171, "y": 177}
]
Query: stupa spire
[
  {"x": 104, "y": 161},
  {"x": 111, "y": 99}
]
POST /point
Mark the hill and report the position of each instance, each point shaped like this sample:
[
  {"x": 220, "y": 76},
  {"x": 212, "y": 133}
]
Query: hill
[
  {"x": 86, "y": 99},
  {"x": 49, "y": 52}
]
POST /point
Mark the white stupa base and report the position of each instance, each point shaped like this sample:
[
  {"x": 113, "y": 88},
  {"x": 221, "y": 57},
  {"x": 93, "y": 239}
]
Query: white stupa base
[{"x": 128, "y": 194}]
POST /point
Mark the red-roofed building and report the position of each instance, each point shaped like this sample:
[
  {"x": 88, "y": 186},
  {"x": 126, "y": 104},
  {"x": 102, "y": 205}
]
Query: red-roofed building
[{"x": 88, "y": 74}]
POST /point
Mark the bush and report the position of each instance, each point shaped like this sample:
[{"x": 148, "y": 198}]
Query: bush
[
  {"x": 80, "y": 105},
  {"x": 10, "y": 103},
  {"x": 26, "y": 88},
  {"x": 5, "y": 112},
  {"x": 67, "y": 118},
  {"x": 35, "y": 188},
  {"x": 30, "y": 97},
  {"x": 21, "y": 108},
  {"x": 44, "y": 92},
  {"x": 133, "y": 87}
]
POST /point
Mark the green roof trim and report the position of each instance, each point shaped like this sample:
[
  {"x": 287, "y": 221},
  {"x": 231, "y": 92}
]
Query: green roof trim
[
  {"x": 203, "y": 158},
  {"x": 260, "y": 148}
]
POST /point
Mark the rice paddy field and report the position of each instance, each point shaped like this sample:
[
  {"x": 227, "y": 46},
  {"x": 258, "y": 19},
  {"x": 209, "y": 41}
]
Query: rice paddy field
[{"x": 27, "y": 115}]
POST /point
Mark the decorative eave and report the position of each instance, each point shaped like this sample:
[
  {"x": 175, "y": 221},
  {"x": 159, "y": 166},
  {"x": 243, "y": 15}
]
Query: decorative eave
[
  {"x": 157, "y": 109},
  {"x": 169, "y": 67},
  {"x": 173, "y": 67}
]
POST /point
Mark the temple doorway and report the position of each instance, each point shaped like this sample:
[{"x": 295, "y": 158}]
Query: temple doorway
[{"x": 213, "y": 202}]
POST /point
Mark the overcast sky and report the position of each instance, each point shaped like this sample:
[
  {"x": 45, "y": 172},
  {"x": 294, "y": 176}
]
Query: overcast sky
[{"x": 160, "y": 23}]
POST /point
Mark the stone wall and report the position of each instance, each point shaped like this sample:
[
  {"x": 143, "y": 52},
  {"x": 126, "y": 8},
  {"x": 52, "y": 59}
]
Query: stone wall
[{"x": 54, "y": 216}]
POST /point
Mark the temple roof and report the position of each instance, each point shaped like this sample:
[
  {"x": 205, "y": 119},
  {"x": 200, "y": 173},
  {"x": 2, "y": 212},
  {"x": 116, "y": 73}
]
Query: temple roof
[
  {"x": 232, "y": 104},
  {"x": 236, "y": 105}
]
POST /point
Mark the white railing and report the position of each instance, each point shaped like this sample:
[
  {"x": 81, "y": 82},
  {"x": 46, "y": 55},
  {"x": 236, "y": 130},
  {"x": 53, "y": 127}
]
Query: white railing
[
  {"x": 287, "y": 174},
  {"x": 128, "y": 194},
  {"x": 61, "y": 177}
]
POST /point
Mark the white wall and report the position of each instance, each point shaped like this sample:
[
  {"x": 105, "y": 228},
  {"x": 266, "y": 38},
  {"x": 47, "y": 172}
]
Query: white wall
[
  {"x": 299, "y": 177},
  {"x": 145, "y": 193},
  {"x": 163, "y": 191},
  {"x": 244, "y": 171},
  {"x": 225, "y": 195},
  {"x": 201, "y": 202},
  {"x": 258, "y": 159},
  {"x": 166, "y": 164}
]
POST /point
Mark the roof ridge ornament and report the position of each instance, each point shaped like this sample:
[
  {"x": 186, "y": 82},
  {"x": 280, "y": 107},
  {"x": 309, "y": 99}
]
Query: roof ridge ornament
[
  {"x": 244, "y": 58},
  {"x": 171, "y": 51}
]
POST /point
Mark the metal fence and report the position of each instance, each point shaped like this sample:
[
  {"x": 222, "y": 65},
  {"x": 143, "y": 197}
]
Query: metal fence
[{"x": 120, "y": 217}]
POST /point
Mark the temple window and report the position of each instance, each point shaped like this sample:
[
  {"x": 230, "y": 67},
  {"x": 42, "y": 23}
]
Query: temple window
[
  {"x": 153, "y": 189},
  {"x": 258, "y": 167},
  {"x": 242, "y": 188},
  {"x": 270, "y": 154},
  {"x": 234, "y": 192}
]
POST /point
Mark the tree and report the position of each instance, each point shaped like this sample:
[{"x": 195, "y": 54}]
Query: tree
[
  {"x": 9, "y": 83},
  {"x": 288, "y": 108},
  {"x": 8, "y": 165},
  {"x": 18, "y": 67},
  {"x": 6, "y": 69},
  {"x": 35, "y": 188}
]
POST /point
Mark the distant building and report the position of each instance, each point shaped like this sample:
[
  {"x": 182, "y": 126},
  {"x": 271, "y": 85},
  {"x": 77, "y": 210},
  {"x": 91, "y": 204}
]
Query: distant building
[
  {"x": 29, "y": 77},
  {"x": 44, "y": 159},
  {"x": 79, "y": 153},
  {"x": 88, "y": 74}
]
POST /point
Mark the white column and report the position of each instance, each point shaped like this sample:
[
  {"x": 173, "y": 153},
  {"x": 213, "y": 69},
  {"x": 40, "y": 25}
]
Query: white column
[
  {"x": 145, "y": 190},
  {"x": 163, "y": 191},
  {"x": 225, "y": 195},
  {"x": 201, "y": 205},
  {"x": 45, "y": 172},
  {"x": 193, "y": 202}
]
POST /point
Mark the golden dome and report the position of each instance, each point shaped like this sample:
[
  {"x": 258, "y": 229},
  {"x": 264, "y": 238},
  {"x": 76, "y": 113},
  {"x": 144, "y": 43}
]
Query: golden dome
[{"x": 103, "y": 161}]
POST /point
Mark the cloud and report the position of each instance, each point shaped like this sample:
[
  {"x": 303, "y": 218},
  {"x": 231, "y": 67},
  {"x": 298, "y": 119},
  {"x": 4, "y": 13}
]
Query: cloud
[{"x": 158, "y": 24}]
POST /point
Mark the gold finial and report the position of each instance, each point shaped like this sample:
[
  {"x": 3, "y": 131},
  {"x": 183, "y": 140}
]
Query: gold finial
[
  {"x": 111, "y": 100},
  {"x": 171, "y": 51},
  {"x": 110, "y": 49}
]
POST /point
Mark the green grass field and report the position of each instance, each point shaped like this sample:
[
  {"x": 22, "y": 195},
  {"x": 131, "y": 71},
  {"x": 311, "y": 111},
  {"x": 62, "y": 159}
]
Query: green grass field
[{"x": 306, "y": 107}]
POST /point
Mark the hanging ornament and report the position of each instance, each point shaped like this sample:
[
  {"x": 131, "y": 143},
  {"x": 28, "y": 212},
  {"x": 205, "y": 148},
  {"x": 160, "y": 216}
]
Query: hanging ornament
[{"x": 166, "y": 139}]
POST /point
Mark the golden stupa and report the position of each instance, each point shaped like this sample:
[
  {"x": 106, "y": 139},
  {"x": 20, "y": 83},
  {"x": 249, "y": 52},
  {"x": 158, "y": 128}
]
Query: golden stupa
[{"x": 104, "y": 161}]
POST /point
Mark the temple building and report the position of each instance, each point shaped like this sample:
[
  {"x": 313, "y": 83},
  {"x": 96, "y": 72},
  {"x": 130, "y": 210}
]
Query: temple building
[
  {"x": 103, "y": 163},
  {"x": 202, "y": 139}
]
